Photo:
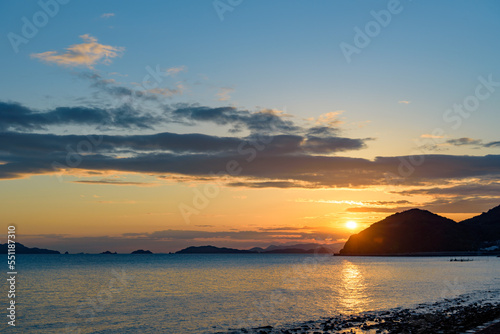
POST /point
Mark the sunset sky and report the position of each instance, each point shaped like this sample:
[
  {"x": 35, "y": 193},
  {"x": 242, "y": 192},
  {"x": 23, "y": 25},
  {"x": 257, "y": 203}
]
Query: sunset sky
[{"x": 161, "y": 125}]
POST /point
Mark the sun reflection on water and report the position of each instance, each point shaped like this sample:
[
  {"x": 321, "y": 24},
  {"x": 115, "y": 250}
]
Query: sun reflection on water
[{"x": 353, "y": 297}]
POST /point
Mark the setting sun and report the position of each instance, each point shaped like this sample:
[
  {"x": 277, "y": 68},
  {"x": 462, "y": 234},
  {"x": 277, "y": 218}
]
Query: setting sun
[{"x": 351, "y": 224}]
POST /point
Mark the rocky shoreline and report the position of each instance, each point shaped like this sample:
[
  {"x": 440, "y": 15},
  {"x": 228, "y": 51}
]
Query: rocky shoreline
[{"x": 460, "y": 315}]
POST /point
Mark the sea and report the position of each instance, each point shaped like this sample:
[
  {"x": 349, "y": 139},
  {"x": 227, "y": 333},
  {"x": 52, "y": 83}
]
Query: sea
[{"x": 209, "y": 293}]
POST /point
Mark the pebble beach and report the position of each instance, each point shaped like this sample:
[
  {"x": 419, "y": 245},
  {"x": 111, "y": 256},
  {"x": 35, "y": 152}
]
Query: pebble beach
[{"x": 464, "y": 314}]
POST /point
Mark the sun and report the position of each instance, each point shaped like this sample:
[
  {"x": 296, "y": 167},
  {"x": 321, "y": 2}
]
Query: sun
[{"x": 351, "y": 224}]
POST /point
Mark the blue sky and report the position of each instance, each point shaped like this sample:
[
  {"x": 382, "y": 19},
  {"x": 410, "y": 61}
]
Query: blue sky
[
  {"x": 280, "y": 54},
  {"x": 264, "y": 61}
]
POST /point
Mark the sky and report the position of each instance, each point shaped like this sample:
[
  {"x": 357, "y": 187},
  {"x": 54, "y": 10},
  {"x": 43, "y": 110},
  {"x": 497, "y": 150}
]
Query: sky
[{"x": 239, "y": 123}]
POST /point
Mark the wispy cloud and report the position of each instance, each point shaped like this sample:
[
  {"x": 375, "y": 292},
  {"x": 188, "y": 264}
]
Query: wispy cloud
[
  {"x": 174, "y": 70},
  {"x": 404, "y": 102},
  {"x": 107, "y": 15},
  {"x": 465, "y": 142},
  {"x": 223, "y": 94},
  {"x": 359, "y": 203},
  {"x": 167, "y": 92},
  {"x": 376, "y": 209},
  {"x": 113, "y": 182},
  {"x": 88, "y": 53},
  {"x": 17, "y": 117},
  {"x": 118, "y": 74},
  {"x": 473, "y": 188},
  {"x": 492, "y": 144},
  {"x": 431, "y": 136},
  {"x": 330, "y": 119},
  {"x": 439, "y": 142}
]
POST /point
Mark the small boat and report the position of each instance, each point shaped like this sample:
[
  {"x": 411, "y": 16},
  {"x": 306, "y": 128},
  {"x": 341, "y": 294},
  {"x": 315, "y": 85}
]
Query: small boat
[{"x": 461, "y": 260}]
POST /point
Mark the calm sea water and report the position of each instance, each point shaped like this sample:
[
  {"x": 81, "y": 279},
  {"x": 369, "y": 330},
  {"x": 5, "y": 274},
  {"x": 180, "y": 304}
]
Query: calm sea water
[{"x": 210, "y": 293}]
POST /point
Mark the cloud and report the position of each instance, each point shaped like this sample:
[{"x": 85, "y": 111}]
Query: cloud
[
  {"x": 122, "y": 94},
  {"x": 113, "y": 182},
  {"x": 167, "y": 92},
  {"x": 329, "y": 119},
  {"x": 457, "y": 204},
  {"x": 258, "y": 122},
  {"x": 31, "y": 144},
  {"x": 358, "y": 203},
  {"x": 492, "y": 144},
  {"x": 277, "y": 161},
  {"x": 266, "y": 236},
  {"x": 16, "y": 117},
  {"x": 327, "y": 145},
  {"x": 118, "y": 74},
  {"x": 223, "y": 94},
  {"x": 404, "y": 102},
  {"x": 107, "y": 15},
  {"x": 475, "y": 188},
  {"x": 388, "y": 202},
  {"x": 88, "y": 54},
  {"x": 266, "y": 184},
  {"x": 465, "y": 141},
  {"x": 430, "y": 136},
  {"x": 461, "y": 204},
  {"x": 322, "y": 131},
  {"x": 275, "y": 152},
  {"x": 175, "y": 70},
  {"x": 376, "y": 209}
]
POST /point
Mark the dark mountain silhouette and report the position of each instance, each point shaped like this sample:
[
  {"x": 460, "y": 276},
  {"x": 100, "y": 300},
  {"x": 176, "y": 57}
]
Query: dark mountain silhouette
[
  {"x": 486, "y": 225},
  {"x": 141, "y": 251},
  {"x": 108, "y": 253},
  {"x": 21, "y": 249},
  {"x": 413, "y": 231},
  {"x": 282, "y": 249},
  {"x": 212, "y": 250},
  {"x": 257, "y": 249}
]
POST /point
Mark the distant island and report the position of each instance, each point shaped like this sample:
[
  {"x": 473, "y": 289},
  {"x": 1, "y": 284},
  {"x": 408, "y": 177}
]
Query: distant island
[
  {"x": 212, "y": 250},
  {"x": 141, "y": 251},
  {"x": 422, "y": 232},
  {"x": 21, "y": 249},
  {"x": 310, "y": 248},
  {"x": 108, "y": 253}
]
